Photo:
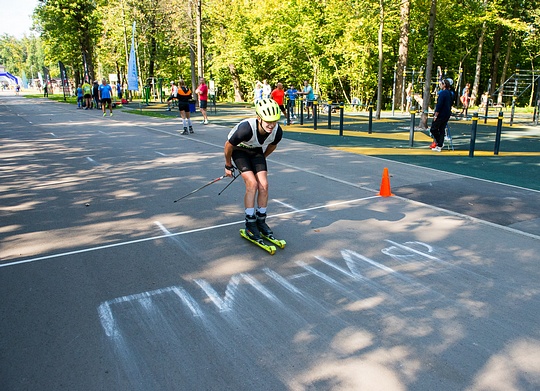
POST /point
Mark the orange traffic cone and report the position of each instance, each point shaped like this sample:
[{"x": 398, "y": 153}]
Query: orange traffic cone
[{"x": 385, "y": 184}]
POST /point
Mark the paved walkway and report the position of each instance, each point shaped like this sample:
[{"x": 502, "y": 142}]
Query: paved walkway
[
  {"x": 517, "y": 162},
  {"x": 433, "y": 288}
]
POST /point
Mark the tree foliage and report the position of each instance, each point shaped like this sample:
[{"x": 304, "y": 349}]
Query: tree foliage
[
  {"x": 333, "y": 44},
  {"x": 69, "y": 30}
]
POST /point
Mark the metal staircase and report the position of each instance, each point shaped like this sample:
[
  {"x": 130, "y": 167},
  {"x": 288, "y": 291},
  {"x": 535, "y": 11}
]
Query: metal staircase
[{"x": 516, "y": 85}]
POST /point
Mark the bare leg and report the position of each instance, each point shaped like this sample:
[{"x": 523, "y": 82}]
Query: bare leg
[
  {"x": 203, "y": 112},
  {"x": 256, "y": 189}
]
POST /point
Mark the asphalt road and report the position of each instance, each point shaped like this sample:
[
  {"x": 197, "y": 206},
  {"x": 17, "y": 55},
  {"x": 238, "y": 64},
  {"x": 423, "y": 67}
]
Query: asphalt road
[{"x": 107, "y": 284}]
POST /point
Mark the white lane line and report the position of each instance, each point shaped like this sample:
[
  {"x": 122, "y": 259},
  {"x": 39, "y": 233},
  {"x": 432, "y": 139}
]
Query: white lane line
[
  {"x": 285, "y": 205},
  {"x": 446, "y": 211},
  {"x": 162, "y": 227},
  {"x": 325, "y": 206},
  {"x": 168, "y": 235},
  {"x": 92, "y": 161},
  {"x": 270, "y": 160},
  {"x": 159, "y": 153},
  {"x": 167, "y": 232}
]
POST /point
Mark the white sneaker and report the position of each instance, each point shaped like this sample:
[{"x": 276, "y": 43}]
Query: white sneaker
[
  {"x": 436, "y": 149},
  {"x": 205, "y": 122}
]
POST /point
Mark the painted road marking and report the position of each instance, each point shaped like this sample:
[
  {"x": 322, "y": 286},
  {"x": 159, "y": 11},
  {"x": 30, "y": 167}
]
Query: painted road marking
[
  {"x": 168, "y": 235},
  {"x": 285, "y": 205},
  {"x": 106, "y": 313},
  {"x": 92, "y": 161},
  {"x": 238, "y": 283},
  {"x": 225, "y": 303}
]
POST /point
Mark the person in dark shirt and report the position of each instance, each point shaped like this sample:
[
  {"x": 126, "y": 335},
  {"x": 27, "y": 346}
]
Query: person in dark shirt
[
  {"x": 249, "y": 144},
  {"x": 443, "y": 110},
  {"x": 184, "y": 97},
  {"x": 95, "y": 94}
]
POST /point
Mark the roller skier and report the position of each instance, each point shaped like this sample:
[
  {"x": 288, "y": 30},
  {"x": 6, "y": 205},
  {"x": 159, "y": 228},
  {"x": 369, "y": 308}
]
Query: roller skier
[{"x": 248, "y": 145}]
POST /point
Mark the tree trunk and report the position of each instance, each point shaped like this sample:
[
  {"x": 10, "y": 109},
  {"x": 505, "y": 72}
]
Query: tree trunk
[
  {"x": 505, "y": 65},
  {"x": 153, "y": 54},
  {"x": 199, "y": 39},
  {"x": 426, "y": 98},
  {"x": 79, "y": 79},
  {"x": 476, "y": 85},
  {"x": 380, "y": 74},
  {"x": 238, "y": 95},
  {"x": 403, "y": 54},
  {"x": 192, "y": 49},
  {"x": 495, "y": 56},
  {"x": 533, "y": 80}
]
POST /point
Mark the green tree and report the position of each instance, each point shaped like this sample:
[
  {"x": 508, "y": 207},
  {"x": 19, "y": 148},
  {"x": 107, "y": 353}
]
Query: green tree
[
  {"x": 69, "y": 30},
  {"x": 336, "y": 45},
  {"x": 12, "y": 54}
]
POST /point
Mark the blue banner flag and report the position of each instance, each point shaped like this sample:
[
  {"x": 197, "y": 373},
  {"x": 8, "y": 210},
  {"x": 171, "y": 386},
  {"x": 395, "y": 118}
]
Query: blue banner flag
[{"x": 132, "y": 77}]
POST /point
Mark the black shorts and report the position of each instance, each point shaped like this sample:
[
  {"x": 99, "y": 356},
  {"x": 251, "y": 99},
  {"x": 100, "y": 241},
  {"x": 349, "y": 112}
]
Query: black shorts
[
  {"x": 87, "y": 96},
  {"x": 247, "y": 159},
  {"x": 183, "y": 106},
  {"x": 106, "y": 101},
  {"x": 203, "y": 104}
]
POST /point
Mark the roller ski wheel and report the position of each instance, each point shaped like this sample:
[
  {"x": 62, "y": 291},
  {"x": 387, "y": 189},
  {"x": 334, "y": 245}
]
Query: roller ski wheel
[
  {"x": 278, "y": 242},
  {"x": 270, "y": 249}
]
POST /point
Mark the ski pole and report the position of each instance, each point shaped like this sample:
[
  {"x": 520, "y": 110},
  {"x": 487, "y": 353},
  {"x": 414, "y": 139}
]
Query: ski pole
[
  {"x": 234, "y": 177},
  {"x": 200, "y": 188}
]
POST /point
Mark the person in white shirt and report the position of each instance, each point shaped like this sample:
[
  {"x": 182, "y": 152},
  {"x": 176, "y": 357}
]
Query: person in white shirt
[{"x": 173, "y": 96}]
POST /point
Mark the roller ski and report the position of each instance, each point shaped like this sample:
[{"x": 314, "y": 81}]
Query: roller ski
[
  {"x": 271, "y": 249},
  {"x": 266, "y": 232},
  {"x": 251, "y": 233}
]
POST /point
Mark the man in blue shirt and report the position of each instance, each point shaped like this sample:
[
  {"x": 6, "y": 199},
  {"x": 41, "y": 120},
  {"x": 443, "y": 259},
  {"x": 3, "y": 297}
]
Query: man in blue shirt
[
  {"x": 443, "y": 110},
  {"x": 291, "y": 94},
  {"x": 105, "y": 95},
  {"x": 79, "y": 96},
  {"x": 119, "y": 90},
  {"x": 309, "y": 96}
]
